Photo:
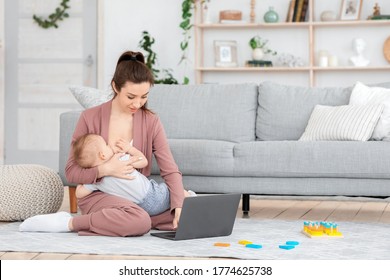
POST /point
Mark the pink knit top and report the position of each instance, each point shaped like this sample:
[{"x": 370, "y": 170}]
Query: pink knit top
[{"x": 148, "y": 137}]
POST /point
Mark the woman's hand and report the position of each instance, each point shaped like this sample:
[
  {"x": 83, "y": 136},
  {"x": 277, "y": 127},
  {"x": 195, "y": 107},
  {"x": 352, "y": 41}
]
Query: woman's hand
[
  {"x": 116, "y": 168},
  {"x": 177, "y": 218}
]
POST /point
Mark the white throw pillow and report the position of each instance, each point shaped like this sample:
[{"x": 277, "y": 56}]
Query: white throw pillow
[
  {"x": 364, "y": 95},
  {"x": 342, "y": 123},
  {"x": 90, "y": 97}
]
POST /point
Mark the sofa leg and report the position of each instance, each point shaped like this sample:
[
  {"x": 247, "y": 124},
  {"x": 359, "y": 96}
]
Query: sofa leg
[
  {"x": 72, "y": 199},
  {"x": 245, "y": 203}
]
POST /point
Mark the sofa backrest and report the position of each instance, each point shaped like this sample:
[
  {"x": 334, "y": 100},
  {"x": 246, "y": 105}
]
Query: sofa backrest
[
  {"x": 68, "y": 121},
  {"x": 284, "y": 111},
  {"x": 208, "y": 111}
]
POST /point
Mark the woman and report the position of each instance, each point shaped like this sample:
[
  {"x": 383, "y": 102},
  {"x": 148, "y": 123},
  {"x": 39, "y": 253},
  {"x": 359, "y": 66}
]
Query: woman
[{"x": 125, "y": 116}]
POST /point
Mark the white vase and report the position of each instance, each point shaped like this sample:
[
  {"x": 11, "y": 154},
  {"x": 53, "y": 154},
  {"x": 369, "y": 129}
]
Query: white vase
[{"x": 257, "y": 54}]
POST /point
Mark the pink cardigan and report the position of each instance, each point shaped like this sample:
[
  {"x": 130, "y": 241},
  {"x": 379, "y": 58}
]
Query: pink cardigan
[{"x": 148, "y": 137}]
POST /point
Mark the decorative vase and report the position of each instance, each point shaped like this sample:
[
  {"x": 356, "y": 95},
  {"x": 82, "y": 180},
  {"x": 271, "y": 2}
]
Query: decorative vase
[
  {"x": 257, "y": 54},
  {"x": 206, "y": 18},
  {"x": 271, "y": 15}
]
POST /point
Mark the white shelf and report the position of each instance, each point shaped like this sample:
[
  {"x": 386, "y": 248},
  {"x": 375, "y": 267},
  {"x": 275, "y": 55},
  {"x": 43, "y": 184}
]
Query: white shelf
[{"x": 311, "y": 26}]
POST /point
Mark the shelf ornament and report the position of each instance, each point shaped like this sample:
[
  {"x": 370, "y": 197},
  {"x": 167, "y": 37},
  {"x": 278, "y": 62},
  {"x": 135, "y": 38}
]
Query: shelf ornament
[
  {"x": 59, "y": 14},
  {"x": 259, "y": 47}
]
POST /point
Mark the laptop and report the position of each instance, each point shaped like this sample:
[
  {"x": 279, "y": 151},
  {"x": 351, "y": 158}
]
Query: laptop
[{"x": 205, "y": 216}]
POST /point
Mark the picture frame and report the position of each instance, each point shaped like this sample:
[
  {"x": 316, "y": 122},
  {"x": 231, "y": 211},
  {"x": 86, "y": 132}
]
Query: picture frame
[
  {"x": 350, "y": 9},
  {"x": 225, "y": 53}
]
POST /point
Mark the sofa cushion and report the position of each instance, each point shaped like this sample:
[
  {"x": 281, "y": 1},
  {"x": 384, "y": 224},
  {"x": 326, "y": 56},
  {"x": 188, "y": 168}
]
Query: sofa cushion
[
  {"x": 201, "y": 157},
  {"x": 284, "y": 111},
  {"x": 362, "y": 95},
  {"x": 90, "y": 97},
  {"x": 342, "y": 123},
  {"x": 214, "y": 112},
  {"x": 324, "y": 159}
]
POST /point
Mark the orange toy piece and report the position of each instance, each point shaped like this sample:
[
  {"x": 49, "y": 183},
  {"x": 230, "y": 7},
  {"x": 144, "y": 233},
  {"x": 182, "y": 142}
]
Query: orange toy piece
[{"x": 220, "y": 244}]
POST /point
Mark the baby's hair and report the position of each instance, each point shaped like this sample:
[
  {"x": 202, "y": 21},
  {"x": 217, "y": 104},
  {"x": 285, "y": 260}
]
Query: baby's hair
[{"x": 85, "y": 150}]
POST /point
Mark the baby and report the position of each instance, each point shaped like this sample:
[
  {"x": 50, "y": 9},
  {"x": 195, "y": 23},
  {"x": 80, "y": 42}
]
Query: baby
[{"x": 91, "y": 150}]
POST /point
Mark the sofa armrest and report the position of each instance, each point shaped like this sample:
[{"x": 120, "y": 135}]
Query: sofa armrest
[{"x": 68, "y": 121}]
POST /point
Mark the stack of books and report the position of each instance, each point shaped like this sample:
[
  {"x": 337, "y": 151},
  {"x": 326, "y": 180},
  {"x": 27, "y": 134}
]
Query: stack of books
[
  {"x": 380, "y": 17},
  {"x": 298, "y": 11},
  {"x": 259, "y": 63}
]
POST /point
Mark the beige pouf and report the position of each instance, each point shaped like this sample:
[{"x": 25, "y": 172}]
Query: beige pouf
[{"x": 27, "y": 190}]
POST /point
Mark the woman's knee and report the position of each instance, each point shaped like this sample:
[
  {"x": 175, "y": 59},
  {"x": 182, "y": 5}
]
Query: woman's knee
[{"x": 137, "y": 223}]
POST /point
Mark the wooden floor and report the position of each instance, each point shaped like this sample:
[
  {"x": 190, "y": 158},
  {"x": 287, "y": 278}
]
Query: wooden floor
[{"x": 267, "y": 208}]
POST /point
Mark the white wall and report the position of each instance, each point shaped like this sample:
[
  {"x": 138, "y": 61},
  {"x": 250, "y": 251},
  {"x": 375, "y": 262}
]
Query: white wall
[
  {"x": 124, "y": 21},
  {"x": 1, "y": 81}
]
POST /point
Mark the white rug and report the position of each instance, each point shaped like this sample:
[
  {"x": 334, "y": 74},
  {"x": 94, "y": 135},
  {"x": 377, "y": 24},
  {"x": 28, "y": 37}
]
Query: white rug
[{"x": 361, "y": 241}]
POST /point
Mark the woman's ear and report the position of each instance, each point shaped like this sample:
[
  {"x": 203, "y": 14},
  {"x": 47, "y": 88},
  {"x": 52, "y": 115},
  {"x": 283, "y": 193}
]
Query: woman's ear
[{"x": 114, "y": 87}]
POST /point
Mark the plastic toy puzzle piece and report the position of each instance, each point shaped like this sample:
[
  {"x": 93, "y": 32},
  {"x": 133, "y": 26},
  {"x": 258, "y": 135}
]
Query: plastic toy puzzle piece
[
  {"x": 286, "y": 247},
  {"x": 321, "y": 229},
  {"x": 221, "y": 244},
  {"x": 254, "y": 246},
  {"x": 293, "y": 243},
  {"x": 244, "y": 242}
]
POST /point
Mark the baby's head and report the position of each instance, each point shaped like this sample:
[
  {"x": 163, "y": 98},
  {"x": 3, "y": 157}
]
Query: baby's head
[{"x": 90, "y": 150}]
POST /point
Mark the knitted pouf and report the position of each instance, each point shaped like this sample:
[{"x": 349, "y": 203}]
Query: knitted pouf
[{"x": 27, "y": 190}]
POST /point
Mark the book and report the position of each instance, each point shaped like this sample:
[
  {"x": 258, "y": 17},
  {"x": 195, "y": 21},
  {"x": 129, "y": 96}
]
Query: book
[
  {"x": 380, "y": 17},
  {"x": 305, "y": 11},
  {"x": 259, "y": 63},
  {"x": 295, "y": 7},
  {"x": 297, "y": 15},
  {"x": 232, "y": 21},
  {"x": 290, "y": 11}
]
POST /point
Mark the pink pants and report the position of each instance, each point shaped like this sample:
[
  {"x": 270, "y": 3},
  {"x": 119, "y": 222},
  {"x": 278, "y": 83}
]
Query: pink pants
[{"x": 104, "y": 214}]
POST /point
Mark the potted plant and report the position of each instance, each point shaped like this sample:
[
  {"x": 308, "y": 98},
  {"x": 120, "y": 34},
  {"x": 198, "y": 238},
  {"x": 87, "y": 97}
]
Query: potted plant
[{"x": 259, "y": 47}]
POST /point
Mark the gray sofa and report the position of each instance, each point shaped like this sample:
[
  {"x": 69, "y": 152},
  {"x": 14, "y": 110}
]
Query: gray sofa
[{"x": 243, "y": 138}]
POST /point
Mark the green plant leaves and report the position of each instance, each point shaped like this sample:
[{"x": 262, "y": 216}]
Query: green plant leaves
[{"x": 59, "y": 14}]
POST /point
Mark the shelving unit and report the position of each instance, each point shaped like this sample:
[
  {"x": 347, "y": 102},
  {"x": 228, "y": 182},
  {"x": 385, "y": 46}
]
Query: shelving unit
[{"x": 311, "y": 26}]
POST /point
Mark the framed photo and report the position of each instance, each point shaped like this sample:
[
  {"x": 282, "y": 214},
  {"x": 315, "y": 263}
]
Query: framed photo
[
  {"x": 225, "y": 53},
  {"x": 350, "y": 9}
]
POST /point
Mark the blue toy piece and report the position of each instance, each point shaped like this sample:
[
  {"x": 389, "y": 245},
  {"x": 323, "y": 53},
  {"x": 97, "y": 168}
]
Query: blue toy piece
[
  {"x": 254, "y": 246},
  {"x": 286, "y": 247},
  {"x": 294, "y": 243}
]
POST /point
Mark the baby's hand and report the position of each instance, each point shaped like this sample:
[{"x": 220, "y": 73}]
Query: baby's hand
[{"x": 122, "y": 146}]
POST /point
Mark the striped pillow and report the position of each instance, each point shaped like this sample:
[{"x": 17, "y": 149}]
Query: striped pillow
[{"x": 342, "y": 123}]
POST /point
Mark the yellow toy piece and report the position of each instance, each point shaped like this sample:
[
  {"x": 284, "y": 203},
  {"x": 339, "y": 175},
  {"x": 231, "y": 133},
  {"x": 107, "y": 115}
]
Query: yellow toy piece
[{"x": 244, "y": 242}]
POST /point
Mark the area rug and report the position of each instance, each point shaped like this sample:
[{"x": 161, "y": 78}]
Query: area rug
[{"x": 361, "y": 241}]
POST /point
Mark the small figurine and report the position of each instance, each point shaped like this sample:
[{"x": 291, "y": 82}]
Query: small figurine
[
  {"x": 358, "y": 45},
  {"x": 377, "y": 10}
]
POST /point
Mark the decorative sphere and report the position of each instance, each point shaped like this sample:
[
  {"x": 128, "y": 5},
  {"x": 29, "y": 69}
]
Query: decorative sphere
[{"x": 271, "y": 15}]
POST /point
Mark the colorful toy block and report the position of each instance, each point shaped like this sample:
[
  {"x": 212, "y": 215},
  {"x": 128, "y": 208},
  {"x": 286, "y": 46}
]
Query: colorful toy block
[
  {"x": 321, "y": 229},
  {"x": 244, "y": 242},
  {"x": 221, "y": 244}
]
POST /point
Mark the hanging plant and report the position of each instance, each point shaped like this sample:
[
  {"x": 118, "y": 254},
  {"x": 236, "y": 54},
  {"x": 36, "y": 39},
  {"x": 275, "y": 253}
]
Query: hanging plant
[
  {"x": 59, "y": 14},
  {"x": 161, "y": 77},
  {"x": 187, "y": 6}
]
